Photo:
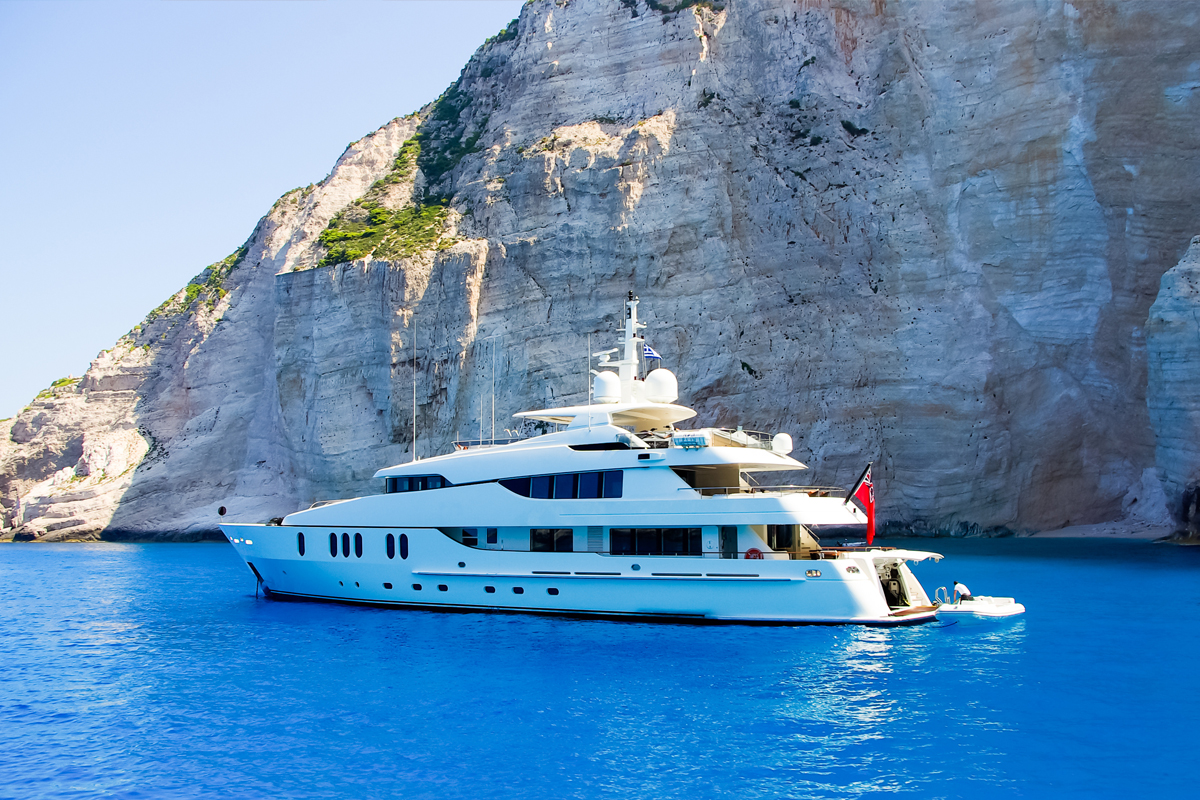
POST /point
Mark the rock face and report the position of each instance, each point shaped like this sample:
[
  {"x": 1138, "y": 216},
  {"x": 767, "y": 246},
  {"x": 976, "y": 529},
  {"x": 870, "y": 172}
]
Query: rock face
[
  {"x": 927, "y": 234},
  {"x": 1173, "y": 350}
]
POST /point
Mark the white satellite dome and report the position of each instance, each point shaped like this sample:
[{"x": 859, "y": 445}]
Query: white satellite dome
[
  {"x": 781, "y": 443},
  {"x": 661, "y": 386},
  {"x": 607, "y": 387}
]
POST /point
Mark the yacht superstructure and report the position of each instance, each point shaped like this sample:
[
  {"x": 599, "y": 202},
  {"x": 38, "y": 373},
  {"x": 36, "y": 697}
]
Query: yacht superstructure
[{"x": 619, "y": 514}]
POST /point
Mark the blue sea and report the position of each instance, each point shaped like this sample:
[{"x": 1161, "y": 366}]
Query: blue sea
[{"x": 153, "y": 671}]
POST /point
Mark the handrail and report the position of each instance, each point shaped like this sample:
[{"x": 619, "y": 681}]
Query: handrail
[
  {"x": 811, "y": 491},
  {"x": 463, "y": 444}
]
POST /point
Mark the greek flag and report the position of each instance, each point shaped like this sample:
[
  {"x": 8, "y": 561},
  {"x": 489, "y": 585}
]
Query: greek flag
[{"x": 648, "y": 352}]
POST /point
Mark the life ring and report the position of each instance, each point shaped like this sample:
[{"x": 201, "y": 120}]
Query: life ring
[{"x": 754, "y": 552}]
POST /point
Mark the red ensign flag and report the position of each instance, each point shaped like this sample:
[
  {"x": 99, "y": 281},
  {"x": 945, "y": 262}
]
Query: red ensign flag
[{"x": 865, "y": 494}]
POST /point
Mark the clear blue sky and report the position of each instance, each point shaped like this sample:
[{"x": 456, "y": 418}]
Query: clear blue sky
[{"x": 140, "y": 142}]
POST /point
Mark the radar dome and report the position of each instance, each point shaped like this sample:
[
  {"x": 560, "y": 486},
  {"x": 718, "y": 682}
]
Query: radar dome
[
  {"x": 782, "y": 443},
  {"x": 607, "y": 387},
  {"x": 660, "y": 386}
]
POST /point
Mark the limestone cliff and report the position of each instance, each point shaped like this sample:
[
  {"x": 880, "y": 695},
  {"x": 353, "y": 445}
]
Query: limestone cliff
[
  {"x": 1173, "y": 346},
  {"x": 927, "y": 234}
]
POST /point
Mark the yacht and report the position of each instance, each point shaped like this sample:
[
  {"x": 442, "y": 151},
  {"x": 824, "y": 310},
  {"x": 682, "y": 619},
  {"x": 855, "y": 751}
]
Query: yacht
[{"x": 615, "y": 512}]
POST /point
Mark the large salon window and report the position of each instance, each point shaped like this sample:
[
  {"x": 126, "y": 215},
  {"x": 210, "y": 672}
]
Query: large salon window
[
  {"x": 553, "y": 540},
  {"x": 569, "y": 485},
  {"x": 655, "y": 542},
  {"x": 415, "y": 483}
]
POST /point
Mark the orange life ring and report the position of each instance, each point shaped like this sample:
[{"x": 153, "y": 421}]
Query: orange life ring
[{"x": 754, "y": 552}]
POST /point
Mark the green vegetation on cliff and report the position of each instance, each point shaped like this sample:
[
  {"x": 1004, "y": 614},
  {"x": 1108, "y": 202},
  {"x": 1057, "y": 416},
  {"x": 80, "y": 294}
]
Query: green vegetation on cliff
[
  {"x": 369, "y": 228},
  {"x": 210, "y": 283}
]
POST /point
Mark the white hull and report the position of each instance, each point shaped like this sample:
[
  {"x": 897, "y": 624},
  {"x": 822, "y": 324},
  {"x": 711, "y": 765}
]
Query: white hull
[{"x": 844, "y": 589}]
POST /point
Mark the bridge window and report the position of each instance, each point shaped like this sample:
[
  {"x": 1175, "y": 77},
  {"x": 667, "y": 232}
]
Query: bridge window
[
  {"x": 415, "y": 483},
  {"x": 568, "y": 485},
  {"x": 565, "y": 485},
  {"x": 589, "y": 485}
]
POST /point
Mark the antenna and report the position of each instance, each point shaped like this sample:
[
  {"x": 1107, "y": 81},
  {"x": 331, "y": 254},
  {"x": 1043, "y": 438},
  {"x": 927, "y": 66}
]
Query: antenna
[
  {"x": 493, "y": 390},
  {"x": 414, "y": 335},
  {"x": 587, "y": 377}
]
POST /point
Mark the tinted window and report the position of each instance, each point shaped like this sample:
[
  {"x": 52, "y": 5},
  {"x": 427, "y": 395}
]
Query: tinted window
[
  {"x": 387, "y": 586},
  {"x": 417, "y": 587},
  {"x": 518, "y": 590},
  {"x": 433, "y": 482},
  {"x": 614, "y": 482},
  {"x": 442, "y": 587},
  {"x": 518, "y": 485},
  {"x": 621, "y": 541},
  {"x": 300, "y": 542},
  {"x": 541, "y": 539},
  {"x": 346, "y": 545},
  {"x": 358, "y": 545},
  {"x": 391, "y": 546},
  {"x": 564, "y": 486},
  {"x": 540, "y": 487},
  {"x": 552, "y": 591},
  {"x": 649, "y": 541},
  {"x": 470, "y": 537},
  {"x": 557, "y": 540},
  {"x": 333, "y": 544},
  {"x": 490, "y": 589},
  {"x": 491, "y": 536},
  {"x": 674, "y": 541},
  {"x": 404, "y": 545},
  {"x": 780, "y": 537},
  {"x": 399, "y": 484},
  {"x": 589, "y": 485}
]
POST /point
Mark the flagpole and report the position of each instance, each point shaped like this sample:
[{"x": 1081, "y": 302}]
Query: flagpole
[{"x": 858, "y": 483}]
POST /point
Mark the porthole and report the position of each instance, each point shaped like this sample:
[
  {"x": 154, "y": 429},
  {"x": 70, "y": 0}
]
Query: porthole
[
  {"x": 518, "y": 590},
  {"x": 346, "y": 545},
  {"x": 300, "y": 542},
  {"x": 552, "y": 591},
  {"x": 333, "y": 545},
  {"x": 358, "y": 545},
  {"x": 391, "y": 546},
  {"x": 443, "y": 587},
  {"x": 416, "y": 587},
  {"x": 490, "y": 589},
  {"x": 356, "y": 584},
  {"x": 387, "y": 586},
  {"x": 404, "y": 545}
]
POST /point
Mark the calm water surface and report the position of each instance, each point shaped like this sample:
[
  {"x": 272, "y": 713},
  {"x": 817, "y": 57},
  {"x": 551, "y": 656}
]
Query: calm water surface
[{"x": 149, "y": 671}]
